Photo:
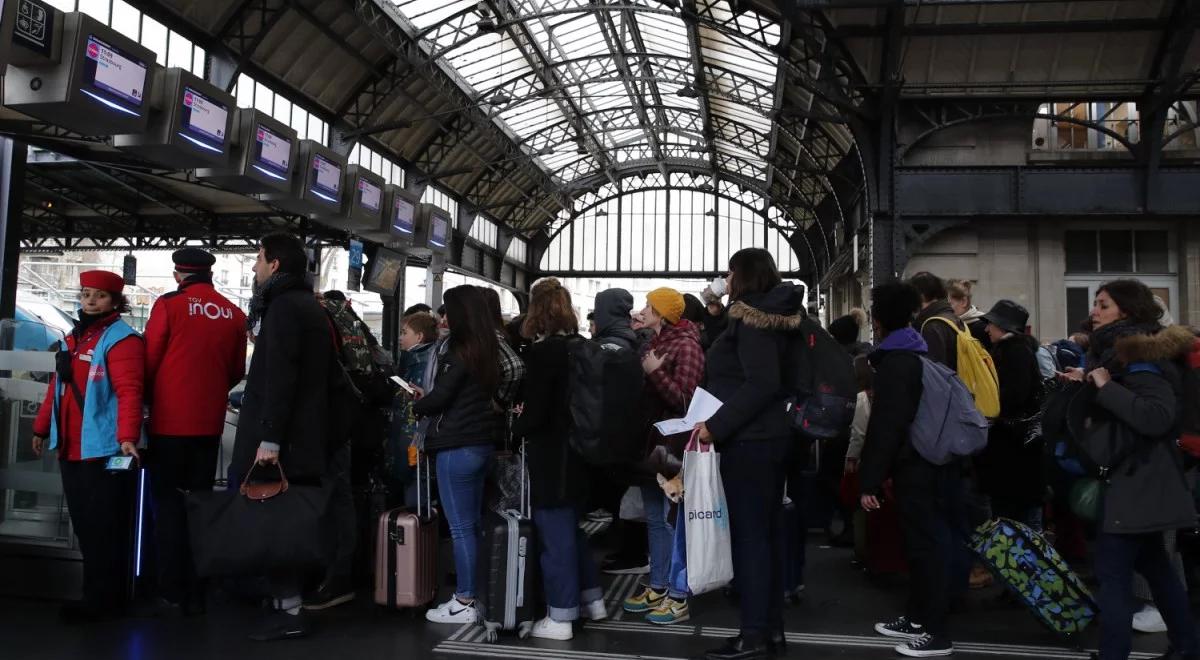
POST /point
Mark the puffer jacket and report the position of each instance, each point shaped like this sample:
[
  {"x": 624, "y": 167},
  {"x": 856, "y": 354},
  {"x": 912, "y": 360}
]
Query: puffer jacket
[
  {"x": 1140, "y": 405},
  {"x": 461, "y": 413},
  {"x": 746, "y": 367}
]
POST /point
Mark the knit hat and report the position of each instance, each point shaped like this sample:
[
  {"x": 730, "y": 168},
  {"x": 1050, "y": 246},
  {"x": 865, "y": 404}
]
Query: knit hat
[
  {"x": 104, "y": 280},
  {"x": 667, "y": 302}
]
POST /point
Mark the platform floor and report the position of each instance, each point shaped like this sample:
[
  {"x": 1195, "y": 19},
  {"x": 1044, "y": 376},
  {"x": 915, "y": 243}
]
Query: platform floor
[{"x": 834, "y": 620}]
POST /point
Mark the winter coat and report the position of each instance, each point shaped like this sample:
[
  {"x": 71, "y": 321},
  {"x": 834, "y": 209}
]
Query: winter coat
[
  {"x": 290, "y": 387},
  {"x": 1148, "y": 491},
  {"x": 1008, "y": 468},
  {"x": 558, "y": 476},
  {"x": 195, "y": 354},
  {"x": 938, "y": 335},
  {"x": 977, "y": 326},
  {"x": 668, "y": 393},
  {"x": 747, "y": 371},
  {"x": 124, "y": 369},
  {"x": 460, "y": 411},
  {"x": 895, "y": 397}
]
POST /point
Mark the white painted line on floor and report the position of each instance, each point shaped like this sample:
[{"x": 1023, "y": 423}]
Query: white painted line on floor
[
  {"x": 627, "y": 593},
  {"x": 532, "y": 653},
  {"x": 459, "y": 633}
]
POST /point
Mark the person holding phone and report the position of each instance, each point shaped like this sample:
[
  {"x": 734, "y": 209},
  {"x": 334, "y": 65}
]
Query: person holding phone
[{"x": 92, "y": 413}]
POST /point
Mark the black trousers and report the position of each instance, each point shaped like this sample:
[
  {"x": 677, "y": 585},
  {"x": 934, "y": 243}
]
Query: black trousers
[
  {"x": 753, "y": 474},
  {"x": 178, "y": 464},
  {"x": 101, "y": 507},
  {"x": 932, "y": 513}
]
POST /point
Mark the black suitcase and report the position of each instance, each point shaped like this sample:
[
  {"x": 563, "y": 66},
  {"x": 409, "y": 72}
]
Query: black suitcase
[{"x": 507, "y": 573}]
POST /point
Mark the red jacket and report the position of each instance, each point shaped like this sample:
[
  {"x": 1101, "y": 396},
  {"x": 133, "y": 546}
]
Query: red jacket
[
  {"x": 672, "y": 385},
  {"x": 195, "y": 354},
  {"x": 126, "y": 366}
]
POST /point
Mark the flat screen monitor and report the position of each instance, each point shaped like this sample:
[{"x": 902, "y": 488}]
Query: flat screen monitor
[
  {"x": 404, "y": 217},
  {"x": 271, "y": 153},
  {"x": 203, "y": 120},
  {"x": 370, "y": 195},
  {"x": 439, "y": 229},
  {"x": 326, "y": 178},
  {"x": 387, "y": 268},
  {"x": 113, "y": 77}
]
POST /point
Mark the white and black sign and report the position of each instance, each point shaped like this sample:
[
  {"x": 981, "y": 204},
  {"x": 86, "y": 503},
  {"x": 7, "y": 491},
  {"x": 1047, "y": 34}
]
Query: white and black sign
[{"x": 35, "y": 26}]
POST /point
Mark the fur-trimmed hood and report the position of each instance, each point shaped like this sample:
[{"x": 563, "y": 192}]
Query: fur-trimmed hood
[
  {"x": 781, "y": 308},
  {"x": 1171, "y": 343}
]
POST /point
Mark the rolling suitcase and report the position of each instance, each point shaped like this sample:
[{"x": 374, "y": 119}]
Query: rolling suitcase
[
  {"x": 406, "y": 547},
  {"x": 507, "y": 572},
  {"x": 884, "y": 538},
  {"x": 1033, "y": 570}
]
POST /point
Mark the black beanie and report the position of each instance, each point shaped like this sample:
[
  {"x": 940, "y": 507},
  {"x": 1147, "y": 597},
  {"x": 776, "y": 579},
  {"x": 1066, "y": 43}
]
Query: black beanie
[{"x": 844, "y": 329}]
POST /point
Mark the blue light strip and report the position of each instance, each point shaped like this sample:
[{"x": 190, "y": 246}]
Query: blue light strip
[
  {"x": 269, "y": 173},
  {"x": 198, "y": 143},
  {"x": 110, "y": 104},
  {"x": 141, "y": 512}
]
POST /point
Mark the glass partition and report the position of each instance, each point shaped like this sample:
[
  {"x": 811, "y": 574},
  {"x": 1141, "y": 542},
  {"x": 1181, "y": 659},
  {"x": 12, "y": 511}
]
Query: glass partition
[{"x": 35, "y": 512}]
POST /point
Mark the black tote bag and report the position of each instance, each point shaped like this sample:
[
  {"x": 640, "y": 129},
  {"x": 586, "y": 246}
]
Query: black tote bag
[{"x": 259, "y": 529}]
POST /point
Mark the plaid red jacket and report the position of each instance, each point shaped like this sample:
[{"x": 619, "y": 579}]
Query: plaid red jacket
[{"x": 674, "y": 383}]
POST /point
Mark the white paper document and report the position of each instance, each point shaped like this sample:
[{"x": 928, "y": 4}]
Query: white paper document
[{"x": 703, "y": 406}]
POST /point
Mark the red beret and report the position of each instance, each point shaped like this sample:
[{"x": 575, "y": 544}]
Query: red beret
[{"x": 103, "y": 280}]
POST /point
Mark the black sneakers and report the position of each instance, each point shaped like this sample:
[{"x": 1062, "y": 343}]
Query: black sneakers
[
  {"x": 926, "y": 646},
  {"x": 627, "y": 566},
  {"x": 331, "y": 593},
  {"x": 279, "y": 625},
  {"x": 901, "y": 628}
]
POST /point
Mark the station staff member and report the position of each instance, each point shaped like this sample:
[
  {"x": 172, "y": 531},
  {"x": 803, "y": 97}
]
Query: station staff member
[
  {"x": 93, "y": 411},
  {"x": 195, "y": 354}
]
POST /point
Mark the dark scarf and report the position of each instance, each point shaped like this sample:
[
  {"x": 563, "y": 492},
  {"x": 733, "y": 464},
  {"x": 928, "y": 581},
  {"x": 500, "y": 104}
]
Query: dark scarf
[
  {"x": 198, "y": 278},
  {"x": 88, "y": 320},
  {"x": 1103, "y": 349},
  {"x": 263, "y": 294}
]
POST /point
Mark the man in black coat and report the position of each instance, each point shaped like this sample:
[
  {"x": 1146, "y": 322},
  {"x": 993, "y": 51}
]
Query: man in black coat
[
  {"x": 286, "y": 417},
  {"x": 928, "y": 496}
]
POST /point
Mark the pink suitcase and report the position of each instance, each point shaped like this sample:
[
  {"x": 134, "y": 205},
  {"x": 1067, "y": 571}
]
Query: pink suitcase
[{"x": 406, "y": 549}]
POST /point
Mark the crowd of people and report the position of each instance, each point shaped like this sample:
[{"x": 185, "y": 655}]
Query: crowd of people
[{"x": 474, "y": 381}]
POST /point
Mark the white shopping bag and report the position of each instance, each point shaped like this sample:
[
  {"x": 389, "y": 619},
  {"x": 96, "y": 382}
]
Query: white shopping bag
[{"x": 706, "y": 515}]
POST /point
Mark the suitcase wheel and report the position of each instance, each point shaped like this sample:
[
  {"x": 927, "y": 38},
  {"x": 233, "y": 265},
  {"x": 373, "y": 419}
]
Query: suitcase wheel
[{"x": 491, "y": 633}]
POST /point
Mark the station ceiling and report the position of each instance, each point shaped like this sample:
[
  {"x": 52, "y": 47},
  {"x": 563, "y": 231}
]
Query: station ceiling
[{"x": 517, "y": 107}]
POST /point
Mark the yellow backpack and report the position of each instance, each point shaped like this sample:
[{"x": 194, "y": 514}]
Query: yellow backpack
[{"x": 976, "y": 369}]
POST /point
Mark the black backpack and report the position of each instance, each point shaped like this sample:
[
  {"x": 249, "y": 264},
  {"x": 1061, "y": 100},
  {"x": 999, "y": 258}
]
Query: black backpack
[
  {"x": 823, "y": 381},
  {"x": 604, "y": 389}
]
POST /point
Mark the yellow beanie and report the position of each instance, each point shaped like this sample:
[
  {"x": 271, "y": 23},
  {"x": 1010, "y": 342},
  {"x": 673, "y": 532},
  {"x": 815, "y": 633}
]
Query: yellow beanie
[{"x": 667, "y": 302}]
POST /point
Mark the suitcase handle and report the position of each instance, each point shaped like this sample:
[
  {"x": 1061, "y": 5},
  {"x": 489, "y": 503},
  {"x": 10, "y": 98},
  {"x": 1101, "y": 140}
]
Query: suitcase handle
[{"x": 423, "y": 460}]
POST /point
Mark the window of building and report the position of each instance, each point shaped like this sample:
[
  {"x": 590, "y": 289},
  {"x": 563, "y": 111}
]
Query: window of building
[{"x": 1117, "y": 251}]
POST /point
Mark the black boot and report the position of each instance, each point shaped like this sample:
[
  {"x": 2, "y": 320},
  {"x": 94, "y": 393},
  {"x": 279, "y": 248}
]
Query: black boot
[
  {"x": 740, "y": 648},
  {"x": 777, "y": 645}
]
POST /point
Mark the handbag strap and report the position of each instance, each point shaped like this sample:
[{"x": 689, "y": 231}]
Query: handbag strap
[
  {"x": 694, "y": 444},
  {"x": 244, "y": 489}
]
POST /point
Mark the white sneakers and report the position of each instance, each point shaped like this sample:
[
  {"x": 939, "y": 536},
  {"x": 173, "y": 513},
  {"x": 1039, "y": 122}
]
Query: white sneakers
[
  {"x": 453, "y": 611},
  {"x": 1149, "y": 620},
  {"x": 596, "y": 610},
  {"x": 548, "y": 628}
]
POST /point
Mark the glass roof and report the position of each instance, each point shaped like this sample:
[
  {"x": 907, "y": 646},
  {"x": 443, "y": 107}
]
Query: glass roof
[{"x": 589, "y": 86}]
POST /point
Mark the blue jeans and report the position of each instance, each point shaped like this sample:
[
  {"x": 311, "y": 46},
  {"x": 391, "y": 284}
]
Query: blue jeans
[
  {"x": 662, "y": 537},
  {"x": 460, "y": 474},
  {"x": 569, "y": 573},
  {"x": 1117, "y": 556}
]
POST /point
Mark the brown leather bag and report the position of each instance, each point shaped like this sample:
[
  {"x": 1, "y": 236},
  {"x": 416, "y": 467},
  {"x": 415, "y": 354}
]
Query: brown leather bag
[{"x": 264, "y": 490}]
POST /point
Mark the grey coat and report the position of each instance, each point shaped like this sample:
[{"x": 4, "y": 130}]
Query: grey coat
[{"x": 1147, "y": 492}]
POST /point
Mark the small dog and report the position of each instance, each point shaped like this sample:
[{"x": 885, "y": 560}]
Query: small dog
[{"x": 672, "y": 488}]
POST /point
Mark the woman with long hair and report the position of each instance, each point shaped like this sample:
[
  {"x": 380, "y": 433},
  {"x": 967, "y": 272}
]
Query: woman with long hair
[
  {"x": 1126, "y": 417},
  {"x": 746, "y": 370},
  {"x": 557, "y": 474},
  {"x": 93, "y": 412},
  {"x": 463, "y": 426}
]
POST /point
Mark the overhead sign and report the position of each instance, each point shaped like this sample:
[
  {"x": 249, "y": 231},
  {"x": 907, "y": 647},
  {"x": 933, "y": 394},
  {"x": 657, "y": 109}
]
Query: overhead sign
[{"x": 35, "y": 27}]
